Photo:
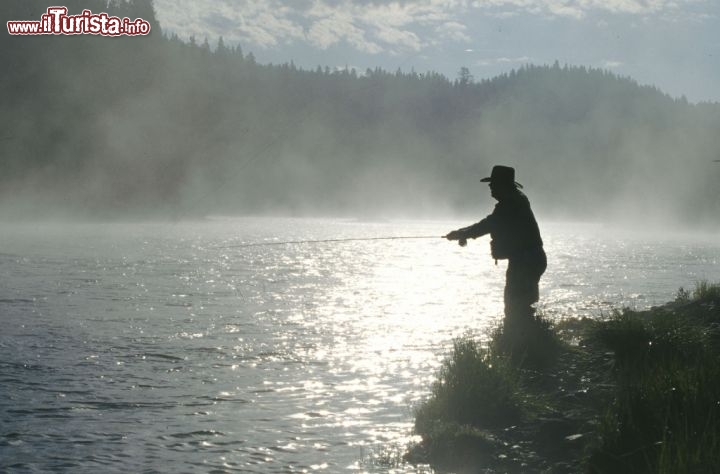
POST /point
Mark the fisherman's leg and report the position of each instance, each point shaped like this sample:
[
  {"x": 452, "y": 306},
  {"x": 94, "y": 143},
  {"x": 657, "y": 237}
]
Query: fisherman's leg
[
  {"x": 537, "y": 265},
  {"x": 518, "y": 322},
  {"x": 520, "y": 293},
  {"x": 522, "y": 286}
]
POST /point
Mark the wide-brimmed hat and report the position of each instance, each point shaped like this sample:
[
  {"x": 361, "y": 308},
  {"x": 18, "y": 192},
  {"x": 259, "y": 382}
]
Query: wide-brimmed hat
[{"x": 502, "y": 175}]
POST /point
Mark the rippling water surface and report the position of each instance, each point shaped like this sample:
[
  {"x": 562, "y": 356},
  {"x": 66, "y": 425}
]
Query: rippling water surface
[{"x": 176, "y": 348}]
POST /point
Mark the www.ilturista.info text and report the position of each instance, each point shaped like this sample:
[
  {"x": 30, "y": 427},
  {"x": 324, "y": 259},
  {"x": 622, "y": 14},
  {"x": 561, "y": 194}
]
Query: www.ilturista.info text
[{"x": 57, "y": 22}]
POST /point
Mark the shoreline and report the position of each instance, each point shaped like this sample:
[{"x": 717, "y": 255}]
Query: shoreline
[{"x": 629, "y": 393}]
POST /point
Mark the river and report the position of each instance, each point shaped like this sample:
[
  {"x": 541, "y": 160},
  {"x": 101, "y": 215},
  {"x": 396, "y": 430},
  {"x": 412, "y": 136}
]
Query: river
[{"x": 161, "y": 347}]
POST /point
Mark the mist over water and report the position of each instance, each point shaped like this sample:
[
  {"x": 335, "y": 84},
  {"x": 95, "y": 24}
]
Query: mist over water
[
  {"x": 153, "y": 127},
  {"x": 174, "y": 347}
]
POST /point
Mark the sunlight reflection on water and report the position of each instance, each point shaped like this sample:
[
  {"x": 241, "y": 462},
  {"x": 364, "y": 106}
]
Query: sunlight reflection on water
[{"x": 170, "y": 347}]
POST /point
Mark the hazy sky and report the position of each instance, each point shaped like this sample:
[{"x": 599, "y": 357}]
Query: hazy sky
[{"x": 673, "y": 44}]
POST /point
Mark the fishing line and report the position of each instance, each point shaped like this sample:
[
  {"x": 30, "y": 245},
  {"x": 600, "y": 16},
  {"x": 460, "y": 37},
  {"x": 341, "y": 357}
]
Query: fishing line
[{"x": 323, "y": 241}]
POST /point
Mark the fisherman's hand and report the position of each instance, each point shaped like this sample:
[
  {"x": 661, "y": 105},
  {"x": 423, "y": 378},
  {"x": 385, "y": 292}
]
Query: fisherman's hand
[
  {"x": 454, "y": 235},
  {"x": 458, "y": 235}
]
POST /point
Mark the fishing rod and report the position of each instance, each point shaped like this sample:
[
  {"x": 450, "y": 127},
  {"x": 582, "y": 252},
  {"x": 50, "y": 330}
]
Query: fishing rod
[{"x": 322, "y": 241}]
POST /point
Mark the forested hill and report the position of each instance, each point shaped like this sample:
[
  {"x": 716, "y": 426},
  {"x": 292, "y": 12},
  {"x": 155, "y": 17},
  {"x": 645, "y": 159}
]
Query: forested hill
[{"x": 95, "y": 126}]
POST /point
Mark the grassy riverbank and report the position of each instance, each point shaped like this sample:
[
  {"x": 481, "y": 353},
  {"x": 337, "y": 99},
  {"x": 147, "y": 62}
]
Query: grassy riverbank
[{"x": 636, "y": 392}]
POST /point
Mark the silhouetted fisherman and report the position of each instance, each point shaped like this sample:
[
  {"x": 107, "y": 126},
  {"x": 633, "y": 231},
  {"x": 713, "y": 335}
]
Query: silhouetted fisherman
[{"x": 515, "y": 237}]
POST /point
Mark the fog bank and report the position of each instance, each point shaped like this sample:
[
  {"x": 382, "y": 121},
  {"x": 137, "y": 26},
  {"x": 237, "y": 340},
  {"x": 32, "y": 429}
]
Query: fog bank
[{"x": 154, "y": 127}]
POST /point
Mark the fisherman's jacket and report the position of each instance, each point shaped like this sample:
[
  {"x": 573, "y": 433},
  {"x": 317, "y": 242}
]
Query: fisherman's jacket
[{"x": 512, "y": 227}]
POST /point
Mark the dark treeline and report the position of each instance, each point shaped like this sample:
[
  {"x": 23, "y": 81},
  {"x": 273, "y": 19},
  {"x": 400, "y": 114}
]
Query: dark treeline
[{"x": 127, "y": 126}]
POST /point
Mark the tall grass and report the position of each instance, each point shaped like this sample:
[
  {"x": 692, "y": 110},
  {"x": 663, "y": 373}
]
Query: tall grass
[
  {"x": 529, "y": 344},
  {"x": 476, "y": 389},
  {"x": 666, "y": 418},
  {"x": 703, "y": 291},
  {"x": 707, "y": 291},
  {"x": 475, "y": 386},
  {"x": 667, "y": 421},
  {"x": 479, "y": 390}
]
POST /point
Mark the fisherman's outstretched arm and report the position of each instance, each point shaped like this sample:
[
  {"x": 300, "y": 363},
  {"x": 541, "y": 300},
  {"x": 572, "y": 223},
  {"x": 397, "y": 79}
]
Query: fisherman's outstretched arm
[{"x": 471, "y": 232}]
